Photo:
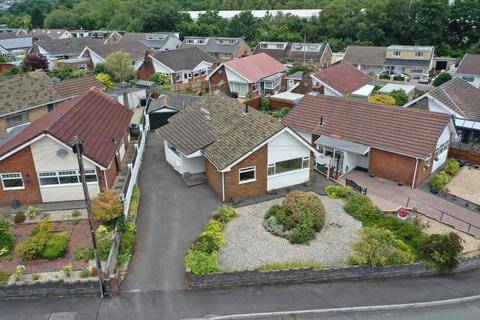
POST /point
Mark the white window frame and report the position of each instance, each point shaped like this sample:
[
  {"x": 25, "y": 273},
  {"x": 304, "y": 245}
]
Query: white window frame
[
  {"x": 18, "y": 176},
  {"x": 226, "y": 55},
  {"x": 264, "y": 45},
  {"x": 190, "y": 41},
  {"x": 418, "y": 54},
  {"x": 65, "y": 173},
  {"x": 174, "y": 150},
  {"x": 426, "y": 162},
  {"x": 274, "y": 166},
  {"x": 254, "y": 87},
  {"x": 396, "y": 53},
  {"x": 244, "y": 170}
]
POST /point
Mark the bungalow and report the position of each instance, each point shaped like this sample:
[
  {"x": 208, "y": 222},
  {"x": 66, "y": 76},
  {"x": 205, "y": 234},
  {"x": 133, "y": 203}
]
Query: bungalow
[
  {"x": 342, "y": 80},
  {"x": 71, "y": 88},
  {"x": 52, "y": 33},
  {"x": 469, "y": 69},
  {"x": 25, "y": 98},
  {"x": 248, "y": 77},
  {"x": 98, "y": 53},
  {"x": 156, "y": 41},
  {"x": 222, "y": 49},
  {"x": 319, "y": 55},
  {"x": 400, "y": 144},
  {"x": 68, "y": 48},
  {"x": 15, "y": 46},
  {"x": 38, "y": 165},
  {"x": 367, "y": 59},
  {"x": 242, "y": 152},
  {"x": 461, "y": 100},
  {"x": 182, "y": 65}
]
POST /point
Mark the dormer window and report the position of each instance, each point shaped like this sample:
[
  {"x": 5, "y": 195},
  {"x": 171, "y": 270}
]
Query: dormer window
[
  {"x": 419, "y": 54},
  {"x": 279, "y": 46},
  {"x": 263, "y": 45},
  {"x": 396, "y": 53},
  {"x": 190, "y": 41}
]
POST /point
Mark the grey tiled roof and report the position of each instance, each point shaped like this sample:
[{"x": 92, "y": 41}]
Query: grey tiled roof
[
  {"x": 366, "y": 55},
  {"x": 26, "y": 90},
  {"x": 238, "y": 132},
  {"x": 69, "y": 46},
  {"x": 408, "y": 63},
  {"x": 191, "y": 132},
  {"x": 173, "y": 101},
  {"x": 212, "y": 46},
  {"x": 183, "y": 59}
]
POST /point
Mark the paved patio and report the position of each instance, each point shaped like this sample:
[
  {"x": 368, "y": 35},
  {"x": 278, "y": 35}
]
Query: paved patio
[{"x": 389, "y": 196}]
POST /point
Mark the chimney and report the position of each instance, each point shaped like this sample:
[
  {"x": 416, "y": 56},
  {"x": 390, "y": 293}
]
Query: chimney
[
  {"x": 321, "y": 120},
  {"x": 165, "y": 100}
]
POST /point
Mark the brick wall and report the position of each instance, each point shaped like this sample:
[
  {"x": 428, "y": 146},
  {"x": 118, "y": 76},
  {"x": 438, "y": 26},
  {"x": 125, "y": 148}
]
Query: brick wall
[
  {"x": 396, "y": 167},
  {"x": 146, "y": 70},
  {"x": 214, "y": 177},
  {"x": 234, "y": 190},
  {"x": 53, "y": 288},
  {"x": 110, "y": 173},
  {"x": 219, "y": 81},
  {"x": 308, "y": 275},
  {"x": 37, "y": 113},
  {"x": 276, "y": 104},
  {"x": 22, "y": 162},
  {"x": 254, "y": 103}
]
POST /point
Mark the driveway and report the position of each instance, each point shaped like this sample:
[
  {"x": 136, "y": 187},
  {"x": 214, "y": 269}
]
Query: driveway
[
  {"x": 171, "y": 215},
  {"x": 390, "y": 196}
]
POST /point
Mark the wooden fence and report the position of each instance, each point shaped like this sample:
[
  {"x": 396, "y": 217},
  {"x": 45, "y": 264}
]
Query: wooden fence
[{"x": 190, "y": 87}]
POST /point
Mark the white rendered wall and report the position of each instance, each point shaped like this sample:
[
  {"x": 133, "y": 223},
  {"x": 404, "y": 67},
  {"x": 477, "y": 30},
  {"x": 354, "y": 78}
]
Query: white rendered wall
[{"x": 445, "y": 136}]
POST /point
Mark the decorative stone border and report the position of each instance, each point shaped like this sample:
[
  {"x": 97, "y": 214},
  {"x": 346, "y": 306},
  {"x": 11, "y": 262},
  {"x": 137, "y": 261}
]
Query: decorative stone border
[
  {"x": 309, "y": 275},
  {"x": 50, "y": 288}
]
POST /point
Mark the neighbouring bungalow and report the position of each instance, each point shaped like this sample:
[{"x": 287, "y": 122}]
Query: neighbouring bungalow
[
  {"x": 71, "y": 88},
  {"x": 342, "y": 80},
  {"x": 399, "y": 144},
  {"x": 98, "y": 53},
  {"x": 181, "y": 66},
  {"x": 249, "y": 77},
  {"x": 368, "y": 59},
  {"x": 38, "y": 165},
  {"x": 156, "y": 41},
  {"x": 222, "y": 49},
  {"x": 54, "y": 34},
  {"x": 243, "y": 152},
  {"x": 25, "y": 98},
  {"x": 461, "y": 100},
  {"x": 469, "y": 69}
]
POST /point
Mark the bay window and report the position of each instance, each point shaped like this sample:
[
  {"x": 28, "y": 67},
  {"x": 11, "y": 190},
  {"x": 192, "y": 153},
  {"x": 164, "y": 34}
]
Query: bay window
[{"x": 288, "y": 165}]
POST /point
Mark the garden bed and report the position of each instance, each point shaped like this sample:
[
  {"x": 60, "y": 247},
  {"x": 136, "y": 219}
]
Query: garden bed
[
  {"x": 250, "y": 246},
  {"x": 79, "y": 237}
]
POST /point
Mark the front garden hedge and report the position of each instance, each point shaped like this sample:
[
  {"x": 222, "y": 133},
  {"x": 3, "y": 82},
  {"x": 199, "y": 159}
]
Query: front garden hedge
[{"x": 7, "y": 239}]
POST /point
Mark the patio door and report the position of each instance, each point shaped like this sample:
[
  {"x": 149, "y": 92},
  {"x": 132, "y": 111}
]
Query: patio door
[{"x": 337, "y": 164}]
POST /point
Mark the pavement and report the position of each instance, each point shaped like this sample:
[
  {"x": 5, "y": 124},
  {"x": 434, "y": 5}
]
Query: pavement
[{"x": 389, "y": 196}]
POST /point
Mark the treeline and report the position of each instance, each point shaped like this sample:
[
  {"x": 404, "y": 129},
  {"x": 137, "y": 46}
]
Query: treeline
[{"x": 453, "y": 28}]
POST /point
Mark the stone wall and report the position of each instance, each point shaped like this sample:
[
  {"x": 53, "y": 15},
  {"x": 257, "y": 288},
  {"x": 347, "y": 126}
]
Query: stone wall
[
  {"x": 309, "y": 275},
  {"x": 53, "y": 288}
]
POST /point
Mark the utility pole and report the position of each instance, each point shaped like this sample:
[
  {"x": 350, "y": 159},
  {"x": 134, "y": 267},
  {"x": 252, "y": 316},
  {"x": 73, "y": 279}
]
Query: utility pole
[
  {"x": 304, "y": 49},
  {"x": 77, "y": 147}
]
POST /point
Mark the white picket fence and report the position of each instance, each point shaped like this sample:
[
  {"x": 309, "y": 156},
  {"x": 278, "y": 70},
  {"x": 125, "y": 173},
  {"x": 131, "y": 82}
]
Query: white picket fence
[{"x": 134, "y": 168}]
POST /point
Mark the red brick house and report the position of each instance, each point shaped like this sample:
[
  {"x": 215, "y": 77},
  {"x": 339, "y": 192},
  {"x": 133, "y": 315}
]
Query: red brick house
[
  {"x": 249, "y": 77},
  {"x": 243, "y": 152},
  {"x": 400, "y": 144},
  {"x": 38, "y": 165}
]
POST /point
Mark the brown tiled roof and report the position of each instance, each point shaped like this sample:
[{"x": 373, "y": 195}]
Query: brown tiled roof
[
  {"x": 460, "y": 96},
  {"x": 256, "y": 67},
  {"x": 93, "y": 116},
  {"x": 136, "y": 49},
  {"x": 343, "y": 78},
  {"x": 73, "y": 87},
  {"x": 366, "y": 55},
  {"x": 410, "y": 132},
  {"x": 191, "y": 132},
  {"x": 470, "y": 64},
  {"x": 237, "y": 132},
  {"x": 27, "y": 90}
]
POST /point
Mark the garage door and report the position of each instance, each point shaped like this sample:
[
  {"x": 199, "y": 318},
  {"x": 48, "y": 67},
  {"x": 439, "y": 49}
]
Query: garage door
[{"x": 159, "y": 119}]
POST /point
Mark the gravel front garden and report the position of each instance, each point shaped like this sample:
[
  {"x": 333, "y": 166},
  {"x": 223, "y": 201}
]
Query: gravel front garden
[
  {"x": 466, "y": 185},
  {"x": 250, "y": 246}
]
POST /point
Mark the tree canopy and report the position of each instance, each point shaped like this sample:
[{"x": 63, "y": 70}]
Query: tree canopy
[{"x": 453, "y": 27}]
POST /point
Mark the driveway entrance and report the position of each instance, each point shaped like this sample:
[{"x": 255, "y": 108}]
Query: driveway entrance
[{"x": 170, "y": 217}]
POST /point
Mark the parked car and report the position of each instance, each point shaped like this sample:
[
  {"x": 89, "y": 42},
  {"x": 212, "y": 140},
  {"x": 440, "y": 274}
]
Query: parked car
[
  {"x": 401, "y": 75},
  {"x": 424, "y": 78}
]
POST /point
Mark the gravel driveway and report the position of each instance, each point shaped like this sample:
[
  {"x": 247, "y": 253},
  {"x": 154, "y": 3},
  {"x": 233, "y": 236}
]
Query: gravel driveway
[
  {"x": 466, "y": 184},
  {"x": 251, "y": 246}
]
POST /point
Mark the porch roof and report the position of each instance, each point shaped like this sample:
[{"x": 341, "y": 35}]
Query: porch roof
[{"x": 344, "y": 145}]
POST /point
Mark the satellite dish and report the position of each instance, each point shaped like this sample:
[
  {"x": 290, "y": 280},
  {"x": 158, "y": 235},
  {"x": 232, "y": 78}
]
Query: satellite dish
[{"x": 62, "y": 153}]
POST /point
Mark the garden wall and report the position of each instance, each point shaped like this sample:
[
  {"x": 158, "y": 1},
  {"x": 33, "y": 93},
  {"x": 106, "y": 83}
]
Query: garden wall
[
  {"x": 52, "y": 288},
  {"x": 306, "y": 275}
]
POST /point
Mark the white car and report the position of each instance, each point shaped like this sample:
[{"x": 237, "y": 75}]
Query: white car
[{"x": 424, "y": 78}]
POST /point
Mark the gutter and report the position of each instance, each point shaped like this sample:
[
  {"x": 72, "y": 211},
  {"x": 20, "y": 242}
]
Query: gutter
[
  {"x": 415, "y": 173},
  {"x": 223, "y": 187}
]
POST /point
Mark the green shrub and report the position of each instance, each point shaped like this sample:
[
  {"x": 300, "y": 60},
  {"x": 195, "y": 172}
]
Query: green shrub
[
  {"x": 354, "y": 202},
  {"x": 4, "y": 276},
  {"x": 201, "y": 263},
  {"x": 19, "y": 217},
  {"x": 273, "y": 211},
  {"x": 441, "y": 251},
  {"x": 83, "y": 253},
  {"x": 441, "y": 79},
  {"x": 368, "y": 213},
  {"x": 56, "y": 246},
  {"x": 208, "y": 242},
  {"x": 225, "y": 214},
  {"x": 379, "y": 247},
  {"x": 398, "y": 78},
  {"x": 271, "y": 225},
  {"x": 265, "y": 104},
  {"x": 303, "y": 232},
  {"x": 452, "y": 167},
  {"x": 31, "y": 248},
  {"x": 32, "y": 212},
  {"x": 304, "y": 205},
  {"x": 338, "y": 191},
  {"x": 128, "y": 238},
  {"x": 75, "y": 214},
  {"x": 214, "y": 226},
  {"x": 107, "y": 206},
  {"x": 384, "y": 76},
  {"x": 283, "y": 112},
  {"x": 104, "y": 242},
  {"x": 439, "y": 182},
  {"x": 35, "y": 277},
  {"x": 409, "y": 233},
  {"x": 85, "y": 272},
  {"x": 134, "y": 202},
  {"x": 7, "y": 239},
  {"x": 400, "y": 97}
]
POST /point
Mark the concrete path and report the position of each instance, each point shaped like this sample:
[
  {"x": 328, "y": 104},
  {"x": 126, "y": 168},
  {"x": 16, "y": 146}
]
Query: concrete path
[
  {"x": 171, "y": 215},
  {"x": 388, "y": 195}
]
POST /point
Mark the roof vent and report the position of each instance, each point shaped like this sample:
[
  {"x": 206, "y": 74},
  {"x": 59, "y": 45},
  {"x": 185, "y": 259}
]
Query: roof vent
[{"x": 321, "y": 120}]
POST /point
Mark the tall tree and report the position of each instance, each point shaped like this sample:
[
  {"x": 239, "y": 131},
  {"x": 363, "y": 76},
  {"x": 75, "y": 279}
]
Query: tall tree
[
  {"x": 37, "y": 17},
  {"x": 431, "y": 19},
  {"x": 119, "y": 64},
  {"x": 34, "y": 61},
  {"x": 243, "y": 24}
]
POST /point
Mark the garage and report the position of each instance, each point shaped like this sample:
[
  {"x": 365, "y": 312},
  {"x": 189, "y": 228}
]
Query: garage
[{"x": 165, "y": 106}]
